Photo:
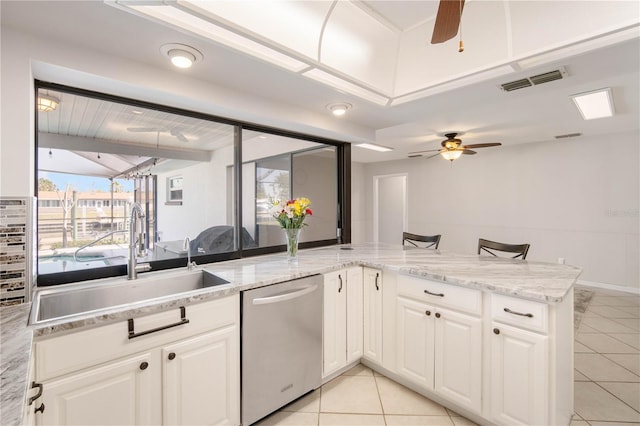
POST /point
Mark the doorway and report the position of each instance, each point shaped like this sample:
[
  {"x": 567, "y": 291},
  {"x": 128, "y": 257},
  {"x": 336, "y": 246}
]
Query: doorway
[{"x": 390, "y": 212}]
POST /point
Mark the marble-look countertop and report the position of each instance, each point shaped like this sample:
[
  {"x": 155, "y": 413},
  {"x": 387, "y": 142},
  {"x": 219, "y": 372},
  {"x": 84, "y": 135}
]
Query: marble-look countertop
[
  {"x": 15, "y": 353},
  {"x": 544, "y": 282}
]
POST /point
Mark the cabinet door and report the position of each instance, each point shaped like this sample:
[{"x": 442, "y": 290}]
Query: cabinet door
[
  {"x": 372, "y": 289},
  {"x": 354, "y": 314},
  {"x": 334, "y": 329},
  {"x": 415, "y": 334},
  {"x": 519, "y": 374},
  {"x": 458, "y": 358},
  {"x": 201, "y": 384},
  {"x": 125, "y": 392}
]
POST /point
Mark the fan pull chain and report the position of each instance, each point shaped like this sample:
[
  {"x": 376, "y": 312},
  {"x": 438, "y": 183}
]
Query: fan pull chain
[{"x": 461, "y": 45}]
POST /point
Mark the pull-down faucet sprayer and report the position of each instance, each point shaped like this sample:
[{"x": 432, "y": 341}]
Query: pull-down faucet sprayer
[
  {"x": 187, "y": 247},
  {"x": 133, "y": 268}
]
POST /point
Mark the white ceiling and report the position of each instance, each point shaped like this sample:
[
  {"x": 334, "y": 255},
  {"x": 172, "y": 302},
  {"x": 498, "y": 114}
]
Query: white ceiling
[{"x": 480, "y": 110}]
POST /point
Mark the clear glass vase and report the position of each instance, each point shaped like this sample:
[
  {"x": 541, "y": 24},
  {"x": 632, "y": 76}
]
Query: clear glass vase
[{"x": 292, "y": 235}]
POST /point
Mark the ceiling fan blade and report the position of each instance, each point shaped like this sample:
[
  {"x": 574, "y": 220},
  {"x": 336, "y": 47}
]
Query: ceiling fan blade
[
  {"x": 143, "y": 129},
  {"x": 447, "y": 20},
  {"x": 469, "y": 152},
  {"x": 178, "y": 134},
  {"x": 482, "y": 145},
  {"x": 431, "y": 156},
  {"x": 429, "y": 150}
]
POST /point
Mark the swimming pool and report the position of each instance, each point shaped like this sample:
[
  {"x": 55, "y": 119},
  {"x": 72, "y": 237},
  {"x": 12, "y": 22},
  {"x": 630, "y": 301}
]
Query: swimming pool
[{"x": 55, "y": 263}]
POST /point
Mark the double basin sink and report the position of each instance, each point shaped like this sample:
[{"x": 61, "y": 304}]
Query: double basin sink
[{"x": 73, "y": 299}]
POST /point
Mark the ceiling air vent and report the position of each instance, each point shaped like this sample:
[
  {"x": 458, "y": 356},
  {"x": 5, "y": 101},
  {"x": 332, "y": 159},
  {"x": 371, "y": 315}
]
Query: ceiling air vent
[
  {"x": 515, "y": 85},
  {"x": 568, "y": 135},
  {"x": 546, "y": 77}
]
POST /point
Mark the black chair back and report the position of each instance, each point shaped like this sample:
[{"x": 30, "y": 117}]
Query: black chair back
[
  {"x": 429, "y": 241},
  {"x": 487, "y": 246}
]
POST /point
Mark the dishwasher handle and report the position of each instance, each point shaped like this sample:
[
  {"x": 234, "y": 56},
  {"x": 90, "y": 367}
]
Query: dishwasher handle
[{"x": 285, "y": 296}]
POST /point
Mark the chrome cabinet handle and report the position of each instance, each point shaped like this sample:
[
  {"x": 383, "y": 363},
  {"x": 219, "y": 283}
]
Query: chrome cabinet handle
[
  {"x": 377, "y": 276},
  {"x": 434, "y": 294},
  {"x": 40, "y": 387},
  {"x": 340, "y": 278},
  {"x": 183, "y": 320},
  {"x": 509, "y": 311}
]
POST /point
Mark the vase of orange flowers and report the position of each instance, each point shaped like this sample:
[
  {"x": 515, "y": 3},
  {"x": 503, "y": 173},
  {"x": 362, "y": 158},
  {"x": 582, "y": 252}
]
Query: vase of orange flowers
[{"x": 291, "y": 215}]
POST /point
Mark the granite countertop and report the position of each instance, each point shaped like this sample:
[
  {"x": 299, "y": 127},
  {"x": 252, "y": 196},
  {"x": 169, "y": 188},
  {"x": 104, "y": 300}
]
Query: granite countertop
[{"x": 543, "y": 282}]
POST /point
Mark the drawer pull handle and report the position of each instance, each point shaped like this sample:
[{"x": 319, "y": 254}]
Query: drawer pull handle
[
  {"x": 496, "y": 331},
  {"x": 172, "y": 356},
  {"x": 340, "y": 278},
  {"x": 434, "y": 294},
  {"x": 183, "y": 320},
  {"x": 428, "y": 313},
  {"x": 377, "y": 276},
  {"x": 144, "y": 365},
  {"x": 509, "y": 311},
  {"x": 40, "y": 408},
  {"x": 40, "y": 387},
  {"x": 437, "y": 314}
]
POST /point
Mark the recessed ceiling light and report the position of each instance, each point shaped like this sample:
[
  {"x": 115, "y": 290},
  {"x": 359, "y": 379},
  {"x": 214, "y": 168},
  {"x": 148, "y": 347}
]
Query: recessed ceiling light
[
  {"x": 374, "y": 147},
  {"x": 339, "y": 108},
  {"x": 594, "y": 104},
  {"x": 181, "y": 55}
]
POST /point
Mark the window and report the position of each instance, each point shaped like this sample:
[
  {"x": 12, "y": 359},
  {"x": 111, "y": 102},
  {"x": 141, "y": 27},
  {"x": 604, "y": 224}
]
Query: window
[
  {"x": 190, "y": 160},
  {"x": 174, "y": 190}
]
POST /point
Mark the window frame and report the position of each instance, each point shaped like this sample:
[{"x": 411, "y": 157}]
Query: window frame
[{"x": 343, "y": 150}]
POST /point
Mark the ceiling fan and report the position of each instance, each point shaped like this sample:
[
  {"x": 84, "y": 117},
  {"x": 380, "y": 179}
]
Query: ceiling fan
[
  {"x": 448, "y": 22},
  {"x": 174, "y": 132},
  {"x": 452, "y": 148}
]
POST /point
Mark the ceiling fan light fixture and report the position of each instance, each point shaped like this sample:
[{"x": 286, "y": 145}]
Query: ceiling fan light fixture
[
  {"x": 181, "y": 55},
  {"x": 339, "y": 109},
  {"x": 47, "y": 103},
  {"x": 452, "y": 154}
]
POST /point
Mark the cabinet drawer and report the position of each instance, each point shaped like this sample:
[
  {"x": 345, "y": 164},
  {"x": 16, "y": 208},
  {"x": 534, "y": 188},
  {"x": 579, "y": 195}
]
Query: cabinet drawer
[
  {"x": 60, "y": 355},
  {"x": 463, "y": 299},
  {"x": 519, "y": 312}
]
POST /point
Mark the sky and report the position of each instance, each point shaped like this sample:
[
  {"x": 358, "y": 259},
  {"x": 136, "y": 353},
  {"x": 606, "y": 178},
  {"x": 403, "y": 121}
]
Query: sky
[{"x": 83, "y": 183}]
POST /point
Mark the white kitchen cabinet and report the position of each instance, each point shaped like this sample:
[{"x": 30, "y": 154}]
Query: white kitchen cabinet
[
  {"x": 439, "y": 349},
  {"x": 342, "y": 319},
  {"x": 519, "y": 375},
  {"x": 175, "y": 375},
  {"x": 372, "y": 300},
  {"x": 415, "y": 335},
  {"x": 124, "y": 392},
  {"x": 199, "y": 380}
]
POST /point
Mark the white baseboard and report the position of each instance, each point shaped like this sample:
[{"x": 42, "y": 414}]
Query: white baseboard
[{"x": 621, "y": 288}]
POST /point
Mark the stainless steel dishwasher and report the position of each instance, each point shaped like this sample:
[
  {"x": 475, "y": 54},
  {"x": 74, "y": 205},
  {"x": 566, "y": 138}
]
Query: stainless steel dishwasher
[{"x": 281, "y": 345}]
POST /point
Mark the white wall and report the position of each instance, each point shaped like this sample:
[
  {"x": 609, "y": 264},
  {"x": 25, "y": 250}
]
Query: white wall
[{"x": 576, "y": 199}]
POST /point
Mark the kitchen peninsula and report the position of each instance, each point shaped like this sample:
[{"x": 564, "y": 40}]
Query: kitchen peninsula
[{"x": 501, "y": 304}]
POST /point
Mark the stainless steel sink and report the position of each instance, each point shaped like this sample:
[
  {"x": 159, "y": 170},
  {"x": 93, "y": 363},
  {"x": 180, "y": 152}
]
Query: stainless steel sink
[{"x": 52, "y": 303}]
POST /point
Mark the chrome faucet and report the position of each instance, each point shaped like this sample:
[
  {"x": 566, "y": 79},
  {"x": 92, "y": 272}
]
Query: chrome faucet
[
  {"x": 187, "y": 247},
  {"x": 133, "y": 268}
]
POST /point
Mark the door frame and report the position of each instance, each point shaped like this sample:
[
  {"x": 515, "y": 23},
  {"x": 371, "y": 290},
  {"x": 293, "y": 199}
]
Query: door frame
[{"x": 376, "y": 202}]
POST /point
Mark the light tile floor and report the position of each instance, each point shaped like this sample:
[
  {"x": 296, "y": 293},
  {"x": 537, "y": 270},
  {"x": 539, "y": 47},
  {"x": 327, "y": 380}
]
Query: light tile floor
[{"x": 607, "y": 381}]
